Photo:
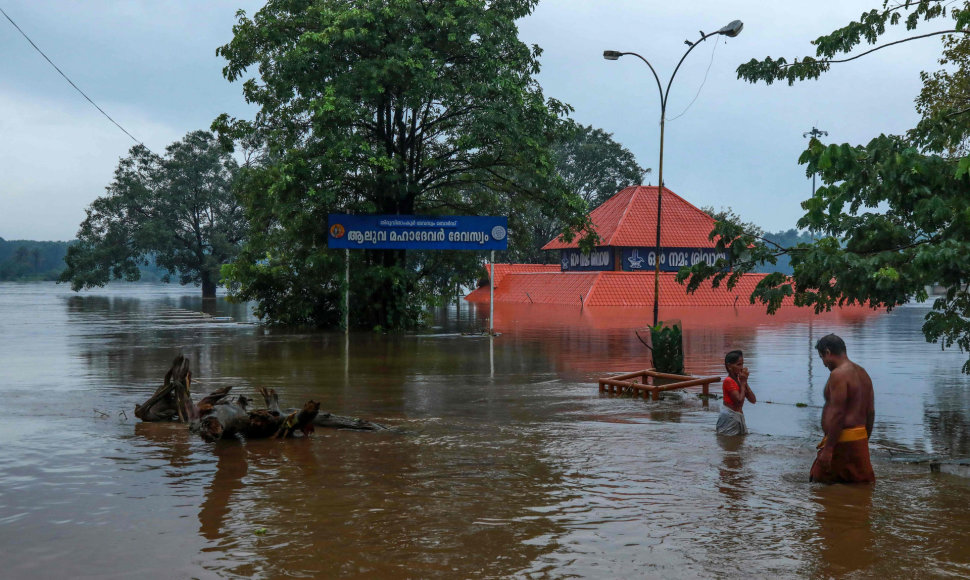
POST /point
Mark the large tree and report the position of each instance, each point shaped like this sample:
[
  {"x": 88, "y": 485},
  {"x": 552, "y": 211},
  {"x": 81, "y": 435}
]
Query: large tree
[
  {"x": 594, "y": 165},
  {"x": 390, "y": 107},
  {"x": 177, "y": 210},
  {"x": 590, "y": 164},
  {"x": 893, "y": 215}
]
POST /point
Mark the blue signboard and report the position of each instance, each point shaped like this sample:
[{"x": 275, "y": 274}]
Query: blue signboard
[
  {"x": 671, "y": 259},
  {"x": 600, "y": 259},
  {"x": 413, "y": 232}
]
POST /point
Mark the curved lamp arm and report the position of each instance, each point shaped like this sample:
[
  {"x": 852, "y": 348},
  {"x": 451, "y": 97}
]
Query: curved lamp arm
[
  {"x": 613, "y": 55},
  {"x": 677, "y": 68},
  {"x": 731, "y": 30}
]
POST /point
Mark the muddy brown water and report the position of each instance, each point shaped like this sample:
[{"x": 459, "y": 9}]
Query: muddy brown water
[{"x": 504, "y": 460}]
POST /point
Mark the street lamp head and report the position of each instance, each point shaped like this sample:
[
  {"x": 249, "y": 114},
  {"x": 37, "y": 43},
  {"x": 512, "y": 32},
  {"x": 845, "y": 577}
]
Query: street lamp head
[
  {"x": 612, "y": 54},
  {"x": 732, "y": 29}
]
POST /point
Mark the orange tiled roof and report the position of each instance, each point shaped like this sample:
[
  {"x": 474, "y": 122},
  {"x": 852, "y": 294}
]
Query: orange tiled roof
[
  {"x": 503, "y": 270},
  {"x": 546, "y": 288},
  {"x": 612, "y": 289},
  {"x": 478, "y": 295},
  {"x": 628, "y": 219},
  {"x": 636, "y": 289}
]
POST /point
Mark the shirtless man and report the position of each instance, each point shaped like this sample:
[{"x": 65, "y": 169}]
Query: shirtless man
[{"x": 847, "y": 418}]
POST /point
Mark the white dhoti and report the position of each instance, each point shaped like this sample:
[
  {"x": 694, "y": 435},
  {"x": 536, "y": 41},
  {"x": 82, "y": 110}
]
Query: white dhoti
[{"x": 730, "y": 422}]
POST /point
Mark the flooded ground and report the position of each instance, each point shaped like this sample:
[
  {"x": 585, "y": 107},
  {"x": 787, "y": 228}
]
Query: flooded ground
[{"x": 503, "y": 461}]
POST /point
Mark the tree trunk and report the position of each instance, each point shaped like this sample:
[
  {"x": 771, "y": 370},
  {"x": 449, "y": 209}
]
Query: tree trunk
[
  {"x": 340, "y": 422},
  {"x": 172, "y": 399},
  {"x": 208, "y": 286},
  {"x": 228, "y": 420},
  {"x": 223, "y": 420},
  {"x": 389, "y": 297}
]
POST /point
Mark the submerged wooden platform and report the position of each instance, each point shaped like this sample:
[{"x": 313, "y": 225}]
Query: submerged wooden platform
[
  {"x": 652, "y": 382},
  {"x": 938, "y": 464}
]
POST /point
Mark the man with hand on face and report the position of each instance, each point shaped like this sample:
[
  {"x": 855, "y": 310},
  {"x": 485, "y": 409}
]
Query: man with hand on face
[
  {"x": 847, "y": 418},
  {"x": 736, "y": 391}
]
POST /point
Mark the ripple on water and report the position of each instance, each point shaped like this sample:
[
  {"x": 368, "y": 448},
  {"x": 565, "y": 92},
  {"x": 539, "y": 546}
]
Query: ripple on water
[{"x": 506, "y": 460}]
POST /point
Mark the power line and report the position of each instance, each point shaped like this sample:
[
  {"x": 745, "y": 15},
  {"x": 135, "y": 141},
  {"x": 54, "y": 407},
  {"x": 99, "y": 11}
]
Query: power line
[
  {"x": 67, "y": 79},
  {"x": 689, "y": 105}
]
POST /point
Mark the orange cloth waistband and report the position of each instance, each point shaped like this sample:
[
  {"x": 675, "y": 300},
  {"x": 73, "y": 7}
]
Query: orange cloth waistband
[
  {"x": 853, "y": 434},
  {"x": 848, "y": 435}
]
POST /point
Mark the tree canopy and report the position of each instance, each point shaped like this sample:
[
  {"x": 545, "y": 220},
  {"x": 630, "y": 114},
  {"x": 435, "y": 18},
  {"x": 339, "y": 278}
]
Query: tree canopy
[
  {"x": 388, "y": 107},
  {"x": 178, "y": 212},
  {"x": 23, "y": 260},
  {"x": 594, "y": 165},
  {"x": 893, "y": 215},
  {"x": 589, "y": 163}
]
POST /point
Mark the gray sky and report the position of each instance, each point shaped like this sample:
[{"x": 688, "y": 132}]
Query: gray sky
[{"x": 151, "y": 65}]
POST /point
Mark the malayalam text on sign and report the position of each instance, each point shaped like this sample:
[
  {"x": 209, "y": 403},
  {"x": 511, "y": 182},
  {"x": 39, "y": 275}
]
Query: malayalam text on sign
[{"x": 409, "y": 232}]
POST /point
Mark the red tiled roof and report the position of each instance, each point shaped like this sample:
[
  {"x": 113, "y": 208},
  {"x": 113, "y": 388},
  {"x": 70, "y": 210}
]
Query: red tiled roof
[
  {"x": 546, "y": 288},
  {"x": 628, "y": 219},
  {"x": 612, "y": 289},
  {"x": 636, "y": 289},
  {"x": 503, "y": 270},
  {"x": 480, "y": 294}
]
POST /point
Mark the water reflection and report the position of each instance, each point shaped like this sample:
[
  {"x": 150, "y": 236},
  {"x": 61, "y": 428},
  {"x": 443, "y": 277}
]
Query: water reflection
[
  {"x": 733, "y": 479},
  {"x": 844, "y": 525},
  {"x": 505, "y": 460},
  {"x": 945, "y": 415},
  {"x": 231, "y": 467}
]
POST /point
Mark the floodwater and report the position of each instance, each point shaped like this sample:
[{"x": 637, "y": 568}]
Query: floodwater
[{"x": 503, "y": 459}]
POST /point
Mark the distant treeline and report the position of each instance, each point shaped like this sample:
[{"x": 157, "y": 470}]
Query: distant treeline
[
  {"x": 786, "y": 239},
  {"x": 24, "y": 260},
  {"x": 27, "y": 260}
]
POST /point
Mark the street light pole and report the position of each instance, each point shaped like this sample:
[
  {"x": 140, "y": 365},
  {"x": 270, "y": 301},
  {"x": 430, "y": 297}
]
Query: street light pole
[
  {"x": 815, "y": 133},
  {"x": 731, "y": 30}
]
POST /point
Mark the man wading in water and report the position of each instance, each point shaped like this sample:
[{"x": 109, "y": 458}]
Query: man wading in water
[
  {"x": 847, "y": 418},
  {"x": 736, "y": 391}
]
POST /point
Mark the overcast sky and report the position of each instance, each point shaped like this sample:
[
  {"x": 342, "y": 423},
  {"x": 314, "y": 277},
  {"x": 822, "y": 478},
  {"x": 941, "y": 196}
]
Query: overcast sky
[{"x": 151, "y": 65}]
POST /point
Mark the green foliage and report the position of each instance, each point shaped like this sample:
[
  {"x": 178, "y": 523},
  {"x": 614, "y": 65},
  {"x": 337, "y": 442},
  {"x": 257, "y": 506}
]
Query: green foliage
[
  {"x": 893, "y": 216},
  {"x": 870, "y": 26},
  {"x": 177, "y": 212},
  {"x": 784, "y": 238},
  {"x": 389, "y": 107},
  {"x": 24, "y": 260},
  {"x": 28, "y": 260},
  {"x": 593, "y": 166},
  {"x": 667, "y": 345},
  {"x": 945, "y": 99},
  {"x": 788, "y": 238}
]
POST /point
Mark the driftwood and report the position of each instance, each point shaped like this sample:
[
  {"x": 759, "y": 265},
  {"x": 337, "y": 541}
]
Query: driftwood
[
  {"x": 216, "y": 416},
  {"x": 227, "y": 420},
  {"x": 172, "y": 399},
  {"x": 332, "y": 421}
]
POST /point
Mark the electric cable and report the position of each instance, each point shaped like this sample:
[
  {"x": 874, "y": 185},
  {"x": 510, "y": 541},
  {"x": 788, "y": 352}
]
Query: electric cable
[
  {"x": 66, "y": 77},
  {"x": 700, "y": 87}
]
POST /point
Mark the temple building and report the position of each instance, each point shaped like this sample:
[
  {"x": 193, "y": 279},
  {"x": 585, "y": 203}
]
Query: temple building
[{"x": 620, "y": 271}]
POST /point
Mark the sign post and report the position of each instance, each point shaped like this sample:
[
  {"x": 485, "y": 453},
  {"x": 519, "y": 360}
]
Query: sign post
[
  {"x": 491, "y": 295},
  {"x": 411, "y": 232},
  {"x": 347, "y": 292}
]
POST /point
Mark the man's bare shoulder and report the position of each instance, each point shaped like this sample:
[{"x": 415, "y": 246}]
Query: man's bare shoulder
[
  {"x": 853, "y": 376},
  {"x": 859, "y": 368},
  {"x": 863, "y": 376},
  {"x": 844, "y": 373}
]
